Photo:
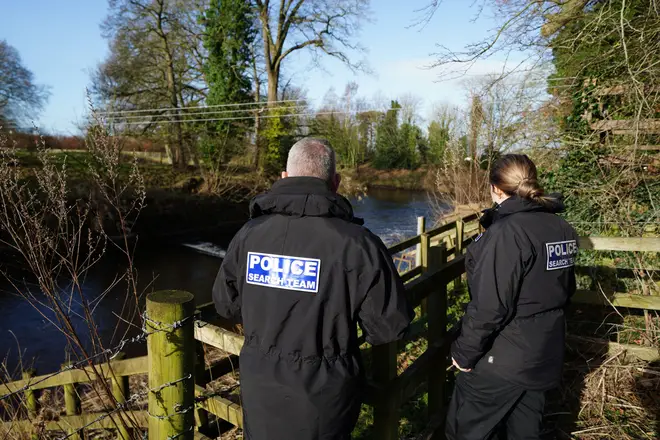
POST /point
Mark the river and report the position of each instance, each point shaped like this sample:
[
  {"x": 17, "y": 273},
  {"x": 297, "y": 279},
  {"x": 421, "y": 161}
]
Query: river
[{"x": 27, "y": 338}]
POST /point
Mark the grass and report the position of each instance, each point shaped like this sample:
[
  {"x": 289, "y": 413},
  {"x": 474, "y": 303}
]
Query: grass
[{"x": 155, "y": 175}]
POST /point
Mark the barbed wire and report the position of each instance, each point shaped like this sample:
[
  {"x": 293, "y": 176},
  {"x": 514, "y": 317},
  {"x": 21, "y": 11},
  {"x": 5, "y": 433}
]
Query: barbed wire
[
  {"x": 157, "y": 390},
  {"x": 134, "y": 398},
  {"x": 110, "y": 352},
  {"x": 177, "y": 409}
]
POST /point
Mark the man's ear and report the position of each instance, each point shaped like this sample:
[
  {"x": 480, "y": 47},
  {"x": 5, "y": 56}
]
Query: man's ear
[{"x": 285, "y": 174}]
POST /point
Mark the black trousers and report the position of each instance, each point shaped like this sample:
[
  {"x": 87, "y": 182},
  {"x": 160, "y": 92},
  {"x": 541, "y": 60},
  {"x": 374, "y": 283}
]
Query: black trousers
[{"x": 484, "y": 407}]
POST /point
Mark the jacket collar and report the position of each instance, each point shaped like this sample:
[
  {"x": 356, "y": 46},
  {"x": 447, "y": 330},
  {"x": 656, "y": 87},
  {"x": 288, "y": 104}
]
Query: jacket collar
[
  {"x": 303, "y": 197},
  {"x": 515, "y": 204}
]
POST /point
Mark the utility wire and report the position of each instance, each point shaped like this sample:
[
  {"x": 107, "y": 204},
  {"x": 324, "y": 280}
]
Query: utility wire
[
  {"x": 247, "y": 117},
  {"x": 211, "y": 112},
  {"x": 236, "y": 104}
]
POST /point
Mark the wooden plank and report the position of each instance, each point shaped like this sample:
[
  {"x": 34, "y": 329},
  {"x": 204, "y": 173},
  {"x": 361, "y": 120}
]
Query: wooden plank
[
  {"x": 629, "y": 244},
  {"x": 410, "y": 274},
  {"x": 200, "y": 436},
  {"x": 386, "y": 408},
  {"x": 419, "y": 288},
  {"x": 632, "y": 301},
  {"x": 627, "y": 125},
  {"x": 405, "y": 244},
  {"x": 219, "y": 337},
  {"x": 139, "y": 419},
  {"x": 417, "y": 373},
  {"x": 619, "y": 272},
  {"x": 128, "y": 367},
  {"x": 223, "y": 408},
  {"x": 640, "y": 147},
  {"x": 471, "y": 218},
  {"x": 648, "y": 354},
  {"x": 621, "y": 89},
  {"x": 440, "y": 229},
  {"x": 437, "y": 317}
]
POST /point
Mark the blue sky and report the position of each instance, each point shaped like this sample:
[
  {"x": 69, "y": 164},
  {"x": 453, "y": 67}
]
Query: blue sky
[{"x": 60, "y": 41}]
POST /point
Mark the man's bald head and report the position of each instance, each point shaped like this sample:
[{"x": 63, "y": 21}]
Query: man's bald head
[{"x": 313, "y": 157}]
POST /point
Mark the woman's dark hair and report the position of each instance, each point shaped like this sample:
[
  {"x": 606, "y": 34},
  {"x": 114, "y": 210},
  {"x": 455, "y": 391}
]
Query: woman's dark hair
[{"x": 515, "y": 174}]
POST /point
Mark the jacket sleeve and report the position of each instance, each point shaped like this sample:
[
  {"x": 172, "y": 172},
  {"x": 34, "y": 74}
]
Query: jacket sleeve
[
  {"x": 495, "y": 288},
  {"x": 226, "y": 294},
  {"x": 385, "y": 313}
]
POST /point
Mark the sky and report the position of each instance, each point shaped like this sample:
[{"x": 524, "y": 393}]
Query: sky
[{"x": 61, "y": 42}]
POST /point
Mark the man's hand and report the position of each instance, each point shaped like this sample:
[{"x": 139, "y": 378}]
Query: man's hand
[{"x": 464, "y": 370}]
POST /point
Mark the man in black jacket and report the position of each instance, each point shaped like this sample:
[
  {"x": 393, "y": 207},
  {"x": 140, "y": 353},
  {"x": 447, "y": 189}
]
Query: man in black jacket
[{"x": 302, "y": 274}]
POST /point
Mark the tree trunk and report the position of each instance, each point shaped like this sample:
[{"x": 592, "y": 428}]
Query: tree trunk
[
  {"x": 273, "y": 84},
  {"x": 257, "y": 116},
  {"x": 178, "y": 131},
  {"x": 180, "y": 154}
]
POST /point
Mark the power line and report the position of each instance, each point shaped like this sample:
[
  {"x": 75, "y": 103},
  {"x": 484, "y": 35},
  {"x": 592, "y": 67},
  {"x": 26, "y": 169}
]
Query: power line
[
  {"x": 236, "y": 104},
  {"x": 250, "y": 117},
  {"x": 212, "y": 112}
]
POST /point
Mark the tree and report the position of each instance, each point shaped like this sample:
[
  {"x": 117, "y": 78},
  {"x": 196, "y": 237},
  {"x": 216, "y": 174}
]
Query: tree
[
  {"x": 20, "y": 98},
  {"x": 155, "y": 67},
  {"x": 324, "y": 26},
  {"x": 229, "y": 38},
  {"x": 388, "y": 137}
]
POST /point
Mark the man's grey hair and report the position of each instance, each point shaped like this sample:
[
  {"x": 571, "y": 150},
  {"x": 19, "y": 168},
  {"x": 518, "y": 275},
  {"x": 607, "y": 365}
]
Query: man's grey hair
[{"x": 312, "y": 157}]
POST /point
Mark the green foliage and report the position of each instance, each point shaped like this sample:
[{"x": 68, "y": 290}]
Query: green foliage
[
  {"x": 278, "y": 137},
  {"x": 438, "y": 138},
  {"x": 229, "y": 35},
  {"x": 603, "y": 196},
  {"x": 344, "y": 135},
  {"x": 397, "y": 145}
]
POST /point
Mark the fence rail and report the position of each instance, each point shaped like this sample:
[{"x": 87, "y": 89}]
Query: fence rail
[{"x": 180, "y": 403}]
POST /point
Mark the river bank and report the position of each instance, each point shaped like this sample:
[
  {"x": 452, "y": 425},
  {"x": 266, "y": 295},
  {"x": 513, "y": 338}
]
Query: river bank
[{"x": 421, "y": 179}]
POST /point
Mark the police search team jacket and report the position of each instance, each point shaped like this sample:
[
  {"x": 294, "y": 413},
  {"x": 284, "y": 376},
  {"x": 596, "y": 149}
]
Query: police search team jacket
[
  {"x": 301, "y": 275},
  {"x": 520, "y": 276}
]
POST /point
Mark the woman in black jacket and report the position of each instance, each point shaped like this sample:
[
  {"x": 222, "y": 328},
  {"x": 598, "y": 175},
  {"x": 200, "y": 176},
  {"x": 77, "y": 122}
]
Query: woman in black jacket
[{"x": 520, "y": 275}]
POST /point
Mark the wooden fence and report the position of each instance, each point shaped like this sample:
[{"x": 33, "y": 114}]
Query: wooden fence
[{"x": 180, "y": 405}]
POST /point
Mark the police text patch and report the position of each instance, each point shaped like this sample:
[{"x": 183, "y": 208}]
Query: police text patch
[
  {"x": 282, "y": 272},
  {"x": 561, "y": 255}
]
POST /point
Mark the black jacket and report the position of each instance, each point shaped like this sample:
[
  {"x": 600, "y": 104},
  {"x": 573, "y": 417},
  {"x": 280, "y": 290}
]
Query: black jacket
[
  {"x": 521, "y": 276},
  {"x": 302, "y": 274}
]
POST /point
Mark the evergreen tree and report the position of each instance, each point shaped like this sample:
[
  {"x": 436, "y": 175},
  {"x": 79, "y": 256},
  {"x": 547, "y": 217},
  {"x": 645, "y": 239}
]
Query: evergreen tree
[
  {"x": 387, "y": 139},
  {"x": 229, "y": 35},
  {"x": 437, "y": 142}
]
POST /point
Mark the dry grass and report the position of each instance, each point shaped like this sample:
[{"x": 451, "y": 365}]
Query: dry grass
[{"x": 607, "y": 397}]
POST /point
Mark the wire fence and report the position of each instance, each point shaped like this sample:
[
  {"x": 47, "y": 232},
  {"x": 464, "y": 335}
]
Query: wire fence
[{"x": 134, "y": 398}]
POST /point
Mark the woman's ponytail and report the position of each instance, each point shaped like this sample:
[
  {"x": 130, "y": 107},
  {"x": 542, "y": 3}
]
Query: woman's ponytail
[{"x": 515, "y": 174}]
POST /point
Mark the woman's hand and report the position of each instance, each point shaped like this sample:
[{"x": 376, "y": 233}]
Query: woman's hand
[{"x": 464, "y": 370}]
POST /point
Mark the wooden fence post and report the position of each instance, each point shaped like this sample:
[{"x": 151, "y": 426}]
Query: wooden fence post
[
  {"x": 201, "y": 415},
  {"x": 30, "y": 395},
  {"x": 460, "y": 237},
  {"x": 421, "y": 228},
  {"x": 437, "y": 322},
  {"x": 171, "y": 357},
  {"x": 72, "y": 405},
  {"x": 386, "y": 409},
  {"x": 425, "y": 246},
  {"x": 31, "y": 400},
  {"x": 120, "y": 393}
]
